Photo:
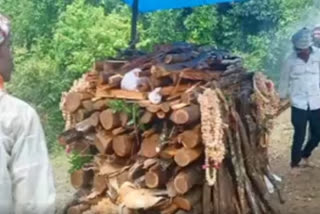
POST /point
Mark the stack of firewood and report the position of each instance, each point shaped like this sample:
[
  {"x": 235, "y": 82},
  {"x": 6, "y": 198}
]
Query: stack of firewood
[{"x": 181, "y": 130}]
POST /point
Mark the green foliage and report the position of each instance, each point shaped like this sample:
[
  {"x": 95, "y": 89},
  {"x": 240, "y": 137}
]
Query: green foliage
[
  {"x": 131, "y": 109},
  {"x": 55, "y": 41},
  {"x": 84, "y": 33},
  {"x": 77, "y": 161}
]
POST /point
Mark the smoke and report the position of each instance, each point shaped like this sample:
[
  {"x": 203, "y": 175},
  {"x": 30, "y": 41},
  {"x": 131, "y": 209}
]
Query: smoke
[{"x": 282, "y": 45}]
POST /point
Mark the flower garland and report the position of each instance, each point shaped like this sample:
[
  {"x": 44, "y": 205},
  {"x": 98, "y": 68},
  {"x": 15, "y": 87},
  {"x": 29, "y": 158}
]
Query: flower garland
[{"x": 212, "y": 133}]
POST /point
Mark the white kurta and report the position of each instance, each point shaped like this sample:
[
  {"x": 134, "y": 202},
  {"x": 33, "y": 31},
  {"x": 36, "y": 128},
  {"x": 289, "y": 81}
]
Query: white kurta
[{"x": 26, "y": 178}]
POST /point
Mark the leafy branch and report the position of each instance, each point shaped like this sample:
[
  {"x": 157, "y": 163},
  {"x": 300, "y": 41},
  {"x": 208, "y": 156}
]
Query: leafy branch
[{"x": 78, "y": 160}]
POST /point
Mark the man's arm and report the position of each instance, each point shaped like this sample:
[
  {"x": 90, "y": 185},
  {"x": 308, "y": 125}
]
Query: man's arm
[
  {"x": 33, "y": 184},
  {"x": 284, "y": 81}
]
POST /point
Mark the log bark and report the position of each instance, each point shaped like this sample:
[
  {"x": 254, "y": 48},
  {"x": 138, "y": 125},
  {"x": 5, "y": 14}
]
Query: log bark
[
  {"x": 149, "y": 146},
  {"x": 187, "y": 179},
  {"x": 81, "y": 146},
  {"x": 69, "y": 136},
  {"x": 188, "y": 201},
  {"x": 207, "y": 204},
  {"x": 185, "y": 157},
  {"x": 187, "y": 115},
  {"x": 191, "y": 138},
  {"x": 109, "y": 120}
]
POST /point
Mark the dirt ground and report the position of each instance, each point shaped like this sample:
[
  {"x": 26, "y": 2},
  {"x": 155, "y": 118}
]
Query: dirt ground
[{"x": 302, "y": 193}]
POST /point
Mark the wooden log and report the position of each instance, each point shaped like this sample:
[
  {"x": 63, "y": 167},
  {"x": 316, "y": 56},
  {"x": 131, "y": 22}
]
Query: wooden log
[
  {"x": 187, "y": 202},
  {"x": 104, "y": 77},
  {"x": 159, "y": 71},
  {"x": 113, "y": 66},
  {"x": 81, "y": 179},
  {"x": 104, "y": 143},
  {"x": 169, "y": 152},
  {"x": 171, "y": 189},
  {"x": 165, "y": 107},
  {"x": 156, "y": 177},
  {"x": 161, "y": 114},
  {"x": 187, "y": 179},
  {"x": 197, "y": 209},
  {"x": 144, "y": 87},
  {"x": 109, "y": 120},
  {"x": 199, "y": 75},
  {"x": 170, "y": 210},
  {"x": 69, "y": 136},
  {"x": 79, "y": 115},
  {"x": 186, "y": 115},
  {"x": 177, "y": 58},
  {"x": 100, "y": 183},
  {"x": 81, "y": 146},
  {"x": 124, "y": 119},
  {"x": 153, "y": 108},
  {"x": 185, "y": 157},
  {"x": 146, "y": 118},
  {"x": 123, "y": 145},
  {"x": 88, "y": 124},
  {"x": 169, "y": 90},
  {"x": 88, "y": 105},
  {"x": 191, "y": 138},
  {"x": 179, "y": 106},
  {"x": 149, "y": 146},
  {"x": 100, "y": 104},
  {"x": 119, "y": 131},
  {"x": 73, "y": 101},
  {"x": 120, "y": 94},
  {"x": 78, "y": 209},
  {"x": 115, "y": 81}
]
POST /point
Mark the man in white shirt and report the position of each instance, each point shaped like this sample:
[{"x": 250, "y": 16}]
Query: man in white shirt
[
  {"x": 316, "y": 36},
  {"x": 26, "y": 179},
  {"x": 300, "y": 81}
]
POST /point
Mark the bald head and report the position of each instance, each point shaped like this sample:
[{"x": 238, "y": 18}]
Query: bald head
[{"x": 6, "y": 64}]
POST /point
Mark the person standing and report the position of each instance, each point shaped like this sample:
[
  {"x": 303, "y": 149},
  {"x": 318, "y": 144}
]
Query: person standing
[
  {"x": 300, "y": 81},
  {"x": 316, "y": 36},
  {"x": 26, "y": 178}
]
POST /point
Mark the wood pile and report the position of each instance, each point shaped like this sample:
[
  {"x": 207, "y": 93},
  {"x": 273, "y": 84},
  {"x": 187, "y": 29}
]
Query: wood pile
[{"x": 184, "y": 129}]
